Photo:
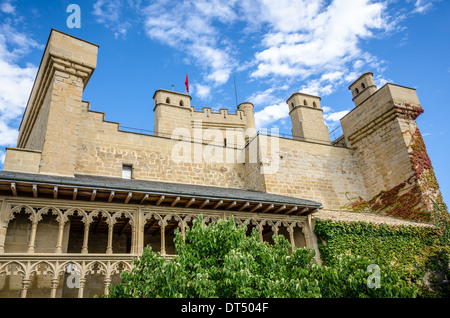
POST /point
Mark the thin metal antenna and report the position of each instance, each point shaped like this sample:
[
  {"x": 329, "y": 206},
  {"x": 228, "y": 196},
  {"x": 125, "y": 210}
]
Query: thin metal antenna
[
  {"x": 172, "y": 87},
  {"x": 235, "y": 91}
]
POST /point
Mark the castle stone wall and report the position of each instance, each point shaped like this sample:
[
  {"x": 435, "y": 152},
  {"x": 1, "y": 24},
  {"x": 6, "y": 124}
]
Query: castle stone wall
[
  {"x": 103, "y": 150},
  {"x": 316, "y": 172}
]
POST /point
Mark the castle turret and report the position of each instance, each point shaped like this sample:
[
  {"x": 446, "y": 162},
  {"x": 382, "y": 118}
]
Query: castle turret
[
  {"x": 249, "y": 114},
  {"x": 363, "y": 88},
  {"x": 307, "y": 118},
  {"x": 172, "y": 110}
]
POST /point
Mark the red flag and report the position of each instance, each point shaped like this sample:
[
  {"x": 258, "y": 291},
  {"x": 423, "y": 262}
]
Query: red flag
[{"x": 187, "y": 83}]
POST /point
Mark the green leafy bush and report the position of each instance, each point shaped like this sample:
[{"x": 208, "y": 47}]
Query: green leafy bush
[{"x": 219, "y": 260}]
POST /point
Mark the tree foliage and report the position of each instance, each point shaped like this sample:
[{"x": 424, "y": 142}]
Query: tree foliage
[
  {"x": 419, "y": 255},
  {"x": 220, "y": 260}
]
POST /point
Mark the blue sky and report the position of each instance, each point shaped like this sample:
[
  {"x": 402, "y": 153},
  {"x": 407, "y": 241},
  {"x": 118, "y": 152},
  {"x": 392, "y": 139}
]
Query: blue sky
[{"x": 272, "y": 48}]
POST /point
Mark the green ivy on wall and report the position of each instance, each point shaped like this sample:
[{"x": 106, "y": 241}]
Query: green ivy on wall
[
  {"x": 417, "y": 254},
  {"x": 413, "y": 198}
]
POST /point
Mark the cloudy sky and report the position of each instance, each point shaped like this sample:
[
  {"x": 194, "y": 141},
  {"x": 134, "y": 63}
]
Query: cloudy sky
[{"x": 270, "y": 48}]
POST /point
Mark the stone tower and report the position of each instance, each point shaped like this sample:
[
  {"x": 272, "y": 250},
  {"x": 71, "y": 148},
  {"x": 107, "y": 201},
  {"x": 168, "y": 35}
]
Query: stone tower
[
  {"x": 307, "y": 118},
  {"x": 249, "y": 115},
  {"x": 363, "y": 88},
  {"x": 51, "y": 122},
  {"x": 396, "y": 169},
  {"x": 172, "y": 110}
]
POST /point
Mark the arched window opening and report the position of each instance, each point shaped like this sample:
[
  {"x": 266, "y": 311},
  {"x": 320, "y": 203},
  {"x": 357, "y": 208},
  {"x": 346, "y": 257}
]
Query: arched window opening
[
  {"x": 19, "y": 230},
  {"x": 363, "y": 85},
  {"x": 168, "y": 100},
  {"x": 305, "y": 103},
  {"x": 356, "y": 91},
  {"x": 314, "y": 105},
  {"x": 181, "y": 103}
]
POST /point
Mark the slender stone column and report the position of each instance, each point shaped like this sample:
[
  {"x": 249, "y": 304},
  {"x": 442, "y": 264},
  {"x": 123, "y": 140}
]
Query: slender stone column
[
  {"x": 275, "y": 230},
  {"x": 133, "y": 239},
  {"x": 290, "y": 229},
  {"x": 3, "y": 226},
  {"x": 54, "y": 288},
  {"x": 107, "y": 283},
  {"x": 109, "y": 249},
  {"x": 58, "y": 249},
  {"x": 81, "y": 289},
  {"x": 183, "y": 230},
  {"x": 260, "y": 230},
  {"x": 140, "y": 239},
  {"x": 139, "y": 225},
  {"x": 311, "y": 238},
  {"x": 25, "y": 286},
  {"x": 32, "y": 237},
  {"x": 3, "y": 230},
  {"x": 163, "y": 238},
  {"x": 309, "y": 234},
  {"x": 84, "y": 249}
]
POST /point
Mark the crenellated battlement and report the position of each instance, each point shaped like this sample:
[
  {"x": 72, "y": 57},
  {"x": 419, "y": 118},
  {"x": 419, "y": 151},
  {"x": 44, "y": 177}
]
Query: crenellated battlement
[
  {"x": 173, "y": 111},
  {"x": 222, "y": 116}
]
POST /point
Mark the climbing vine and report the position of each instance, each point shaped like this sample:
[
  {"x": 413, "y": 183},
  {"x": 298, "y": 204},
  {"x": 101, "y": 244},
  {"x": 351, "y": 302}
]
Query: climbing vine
[
  {"x": 412, "y": 199},
  {"x": 418, "y": 254},
  {"x": 419, "y": 157},
  {"x": 408, "y": 111},
  {"x": 403, "y": 201}
]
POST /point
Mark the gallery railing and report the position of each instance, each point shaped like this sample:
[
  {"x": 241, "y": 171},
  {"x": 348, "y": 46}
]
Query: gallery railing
[{"x": 63, "y": 271}]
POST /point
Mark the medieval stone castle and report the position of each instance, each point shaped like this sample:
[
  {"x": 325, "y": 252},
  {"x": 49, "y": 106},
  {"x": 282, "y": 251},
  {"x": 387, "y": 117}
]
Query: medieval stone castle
[{"x": 80, "y": 197}]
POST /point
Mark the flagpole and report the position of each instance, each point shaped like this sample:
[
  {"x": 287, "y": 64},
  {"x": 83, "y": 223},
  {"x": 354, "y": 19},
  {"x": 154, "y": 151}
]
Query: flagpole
[{"x": 235, "y": 91}]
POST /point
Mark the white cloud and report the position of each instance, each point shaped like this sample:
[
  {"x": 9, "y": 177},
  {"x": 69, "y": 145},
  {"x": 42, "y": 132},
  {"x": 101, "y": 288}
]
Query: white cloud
[
  {"x": 336, "y": 116},
  {"x": 326, "y": 109},
  {"x": 15, "y": 44},
  {"x": 326, "y": 84},
  {"x": 379, "y": 80},
  {"x": 15, "y": 81},
  {"x": 307, "y": 37},
  {"x": 271, "y": 114},
  {"x": 202, "y": 91},
  {"x": 15, "y": 86},
  {"x": 7, "y": 7},
  {"x": 107, "y": 11},
  {"x": 2, "y": 157},
  {"x": 8, "y": 135},
  {"x": 189, "y": 26},
  {"x": 315, "y": 45},
  {"x": 333, "y": 120},
  {"x": 422, "y": 6},
  {"x": 111, "y": 14},
  {"x": 273, "y": 107},
  {"x": 263, "y": 97}
]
